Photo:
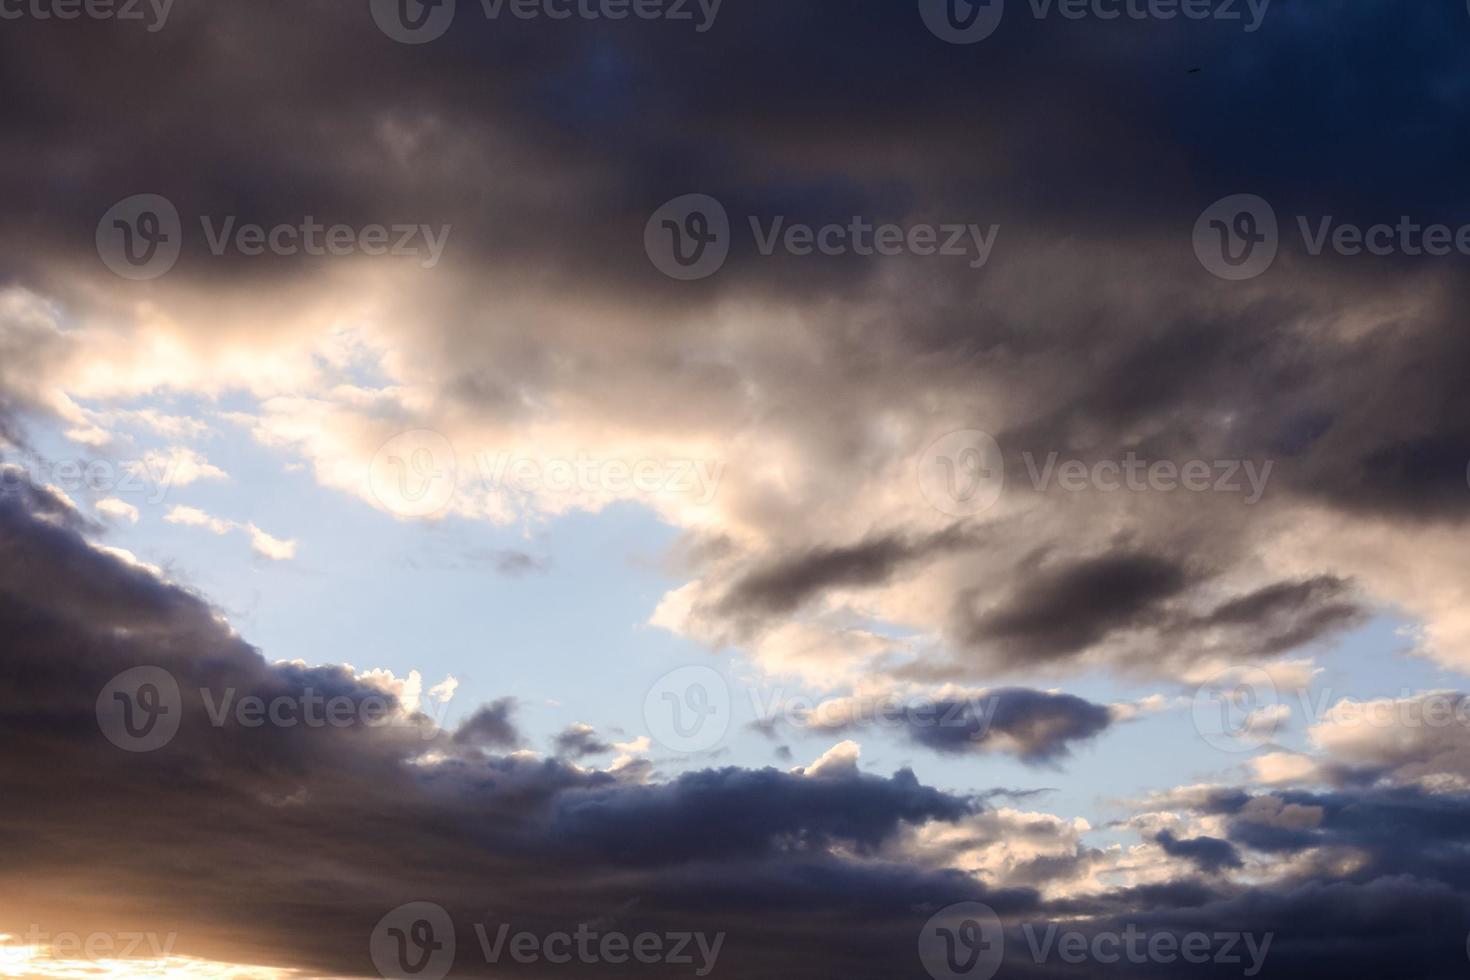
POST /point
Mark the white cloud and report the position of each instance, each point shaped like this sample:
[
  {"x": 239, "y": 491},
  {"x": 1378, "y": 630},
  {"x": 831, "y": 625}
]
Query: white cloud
[
  {"x": 179, "y": 467},
  {"x": 840, "y": 759},
  {"x": 120, "y": 509},
  {"x": 194, "y": 517},
  {"x": 263, "y": 544},
  {"x": 276, "y": 549}
]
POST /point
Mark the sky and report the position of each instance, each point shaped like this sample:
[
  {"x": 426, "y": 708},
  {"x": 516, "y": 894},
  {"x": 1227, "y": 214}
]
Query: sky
[{"x": 686, "y": 488}]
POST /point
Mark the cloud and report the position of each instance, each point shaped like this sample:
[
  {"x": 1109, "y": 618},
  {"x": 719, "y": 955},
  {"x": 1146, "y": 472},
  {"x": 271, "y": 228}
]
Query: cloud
[
  {"x": 580, "y": 741},
  {"x": 785, "y": 406},
  {"x": 266, "y": 546},
  {"x": 1208, "y": 853},
  {"x": 194, "y": 517},
  {"x": 179, "y": 467},
  {"x": 490, "y": 727},
  {"x": 1035, "y": 726},
  {"x": 119, "y": 509},
  {"x": 263, "y": 544}
]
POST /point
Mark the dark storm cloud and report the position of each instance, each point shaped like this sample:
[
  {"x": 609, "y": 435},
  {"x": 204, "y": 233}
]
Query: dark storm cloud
[
  {"x": 736, "y": 813},
  {"x": 783, "y": 587},
  {"x": 490, "y": 727},
  {"x": 1058, "y": 613},
  {"x": 578, "y": 742},
  {"x": 1389, "y": 831},
  {"x": 1208, "y": 853},
  {"x": 1060, "y": 609},
  {"x": 1035, "y": 726},
  {"x": 588, "y": 126},
  {"x": 1289, "y": 615},
  {"x": 547, "y": 145},
  {"x": 311, "y": 834},
  {"x": 1039, "y": 726},
  {"x": 285, "y": 818}
]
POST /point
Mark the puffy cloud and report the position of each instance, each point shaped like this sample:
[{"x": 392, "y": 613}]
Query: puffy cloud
[
  {"x": 119, "y": 509},
  {"x": 263, "y": 544},
  {"x": 1035, "y": 726}
]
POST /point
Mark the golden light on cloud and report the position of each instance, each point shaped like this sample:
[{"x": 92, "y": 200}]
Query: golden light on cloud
[{"x": 106, "y": 956}]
